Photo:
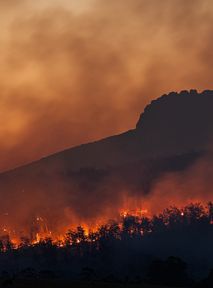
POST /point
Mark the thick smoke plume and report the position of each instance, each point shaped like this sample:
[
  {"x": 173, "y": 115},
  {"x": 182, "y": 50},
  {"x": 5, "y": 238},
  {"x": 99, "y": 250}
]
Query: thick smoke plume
[
  {"x": 91, "y": 197},
  {"x": 75, "y": 71},
  {"x": 194, "y": 185}
]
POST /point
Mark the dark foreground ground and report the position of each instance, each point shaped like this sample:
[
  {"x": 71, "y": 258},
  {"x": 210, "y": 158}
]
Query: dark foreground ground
[{"x": 47, "y": 283}]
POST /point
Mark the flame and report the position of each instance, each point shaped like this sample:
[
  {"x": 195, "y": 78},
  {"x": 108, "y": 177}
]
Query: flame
[{"x": 39, "y": 228}]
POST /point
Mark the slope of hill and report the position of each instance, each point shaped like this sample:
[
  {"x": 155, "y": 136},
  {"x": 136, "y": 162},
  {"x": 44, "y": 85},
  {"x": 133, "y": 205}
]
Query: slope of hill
[
  {"x": 172, "y": 132},
  {"x": 171, "y": 125}
]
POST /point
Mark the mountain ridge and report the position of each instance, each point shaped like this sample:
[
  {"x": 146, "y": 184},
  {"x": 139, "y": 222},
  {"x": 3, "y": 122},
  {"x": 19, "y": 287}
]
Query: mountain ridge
[
  {"x": 133, "y": 139},
  {"x": 139, "y": 143}
]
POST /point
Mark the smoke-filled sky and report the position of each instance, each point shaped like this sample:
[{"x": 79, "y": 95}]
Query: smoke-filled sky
[{"x": 75, "y": 71}]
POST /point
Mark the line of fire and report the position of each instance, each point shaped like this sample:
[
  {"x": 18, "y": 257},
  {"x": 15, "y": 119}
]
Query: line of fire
[{"x": 131, "y": 223}]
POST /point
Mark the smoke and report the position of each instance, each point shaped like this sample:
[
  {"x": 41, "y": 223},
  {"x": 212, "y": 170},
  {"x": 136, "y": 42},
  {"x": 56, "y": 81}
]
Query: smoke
[
  {"x": 71, "y": 73},
  {"x": 91, "y": 197},
  {"x": 193, "y": 185},
  {"x": 76, "y": 71}
]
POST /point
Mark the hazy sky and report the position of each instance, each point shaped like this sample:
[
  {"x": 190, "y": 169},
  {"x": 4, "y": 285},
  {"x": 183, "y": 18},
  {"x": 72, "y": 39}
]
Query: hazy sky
[{"x": 76, "y": 71}]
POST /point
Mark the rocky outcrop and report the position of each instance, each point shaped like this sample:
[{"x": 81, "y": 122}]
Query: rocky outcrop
[{"x": 177, "y": 123}]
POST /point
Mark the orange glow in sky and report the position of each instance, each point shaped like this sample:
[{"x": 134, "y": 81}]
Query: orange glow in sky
[{"x": 76, "y": 71}]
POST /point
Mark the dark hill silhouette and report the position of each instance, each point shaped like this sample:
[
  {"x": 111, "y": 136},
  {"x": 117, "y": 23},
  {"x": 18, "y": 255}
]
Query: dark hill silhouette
[
  {"x": 172, "y": 132},
  {"x": 171, "y": 125}
]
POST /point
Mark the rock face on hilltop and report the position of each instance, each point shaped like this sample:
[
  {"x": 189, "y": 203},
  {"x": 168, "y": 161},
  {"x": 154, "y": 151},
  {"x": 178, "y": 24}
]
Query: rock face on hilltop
[{"x": 177, "y": 123}]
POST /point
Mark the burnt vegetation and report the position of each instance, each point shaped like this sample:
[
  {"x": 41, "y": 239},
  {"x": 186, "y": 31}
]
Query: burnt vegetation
[{"x": 134, "y": 248}]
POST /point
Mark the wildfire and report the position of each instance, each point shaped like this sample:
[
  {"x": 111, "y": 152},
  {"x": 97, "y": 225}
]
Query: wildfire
[
  {"x": 135, "y": 213},
  {"x": 39, "y": 230}
]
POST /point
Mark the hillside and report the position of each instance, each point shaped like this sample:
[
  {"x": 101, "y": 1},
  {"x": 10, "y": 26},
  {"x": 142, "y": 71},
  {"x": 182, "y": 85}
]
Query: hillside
[
  {"x": 171, "y": 134},
  {"x": 171, "y": 125}
]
